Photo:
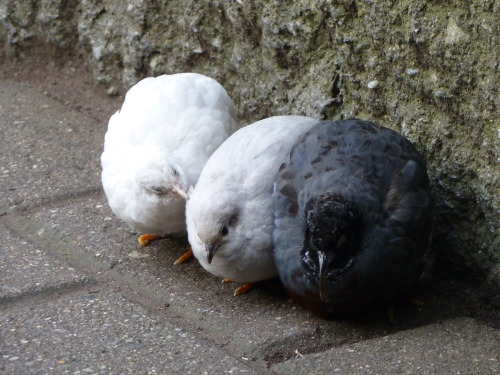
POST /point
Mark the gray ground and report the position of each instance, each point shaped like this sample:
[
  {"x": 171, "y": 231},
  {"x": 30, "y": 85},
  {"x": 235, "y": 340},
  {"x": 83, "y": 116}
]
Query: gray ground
[{"x": 79, "y": 295}]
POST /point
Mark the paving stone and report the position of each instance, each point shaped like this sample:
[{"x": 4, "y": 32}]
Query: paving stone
[
  {"x": 192, "y": 323},
  {"x": 50, "y": 149},
  {"x": 460, "y": 346},
  {"x": 27, "y": 270},
  {"x": 103, "y": 333},
  {"x": 261, "y": 324}
]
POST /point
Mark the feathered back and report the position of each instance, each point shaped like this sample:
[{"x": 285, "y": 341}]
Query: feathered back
[
  {"x": 239, "y": 178},
  {"x": 167, "y": 123},
  {"x": 381, "y": 174}
]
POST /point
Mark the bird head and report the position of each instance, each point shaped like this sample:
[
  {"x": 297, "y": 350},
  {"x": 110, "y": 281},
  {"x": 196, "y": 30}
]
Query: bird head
[
  {"x": 213, "y": 226},
  {"x": 332, "y": 238},
  {"x": 162, "y": 180}
]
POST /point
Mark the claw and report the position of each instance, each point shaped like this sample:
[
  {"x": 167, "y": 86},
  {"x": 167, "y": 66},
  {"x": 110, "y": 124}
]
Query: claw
[
  {"x": 184, "y": 257},
  {"x": 243, "y": 289},
  {"x": 145, "y": 239}
]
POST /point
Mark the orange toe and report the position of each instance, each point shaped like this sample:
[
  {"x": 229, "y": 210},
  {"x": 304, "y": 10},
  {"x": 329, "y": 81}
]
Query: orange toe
[
  {"x": 184, "y": 257},
  {"x": 243, "y": 289},
  {"x": 145, "y": 239}
]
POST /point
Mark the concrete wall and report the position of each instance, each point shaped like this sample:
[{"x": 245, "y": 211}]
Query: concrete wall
[{"x": 429, "y": 69}]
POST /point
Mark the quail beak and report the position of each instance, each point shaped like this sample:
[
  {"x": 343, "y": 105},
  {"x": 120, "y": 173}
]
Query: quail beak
[
  {"x": 211, "y": 248},
  {"x": 180, "y": 192},
  {"x": 323, "y": 274}
]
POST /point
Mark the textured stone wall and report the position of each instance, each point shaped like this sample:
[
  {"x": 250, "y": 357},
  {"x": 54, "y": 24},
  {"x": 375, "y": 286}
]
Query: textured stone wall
[{"x": 429, "y": 69}]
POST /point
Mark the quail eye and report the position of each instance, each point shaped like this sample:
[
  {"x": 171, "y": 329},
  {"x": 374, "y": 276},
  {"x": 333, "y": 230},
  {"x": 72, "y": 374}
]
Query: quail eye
[
  {"x": 175, "y": 172},
  {"x": 158, "y": 190},
  {"x": 224, "y": 231}
]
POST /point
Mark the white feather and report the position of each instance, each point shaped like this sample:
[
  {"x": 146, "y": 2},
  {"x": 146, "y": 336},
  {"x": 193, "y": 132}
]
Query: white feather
[
  {"x": 172, "y": 122},
  {"x": 238, "y": 180}
]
